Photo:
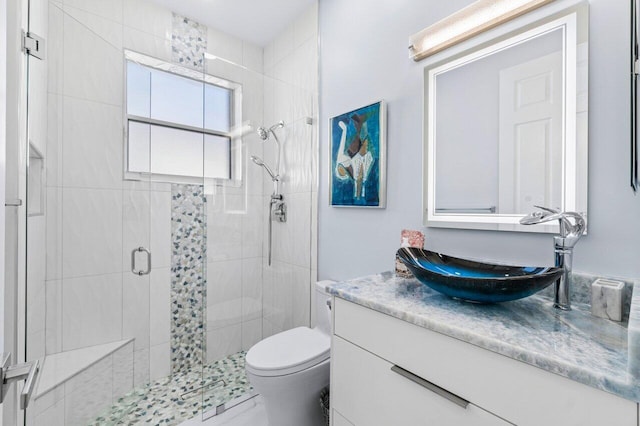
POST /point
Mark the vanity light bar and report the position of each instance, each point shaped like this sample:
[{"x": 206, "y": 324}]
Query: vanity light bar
[{"x": 479, "y": 16}]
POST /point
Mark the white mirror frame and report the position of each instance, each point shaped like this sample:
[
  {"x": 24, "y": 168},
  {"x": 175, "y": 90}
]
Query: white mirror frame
[{"x": 567, "y": 22}]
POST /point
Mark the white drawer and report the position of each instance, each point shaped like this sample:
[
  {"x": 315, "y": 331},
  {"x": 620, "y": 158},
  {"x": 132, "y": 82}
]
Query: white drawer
[
  {"x": 517, "y": 392},
  {"x": 368, "y": 393}
]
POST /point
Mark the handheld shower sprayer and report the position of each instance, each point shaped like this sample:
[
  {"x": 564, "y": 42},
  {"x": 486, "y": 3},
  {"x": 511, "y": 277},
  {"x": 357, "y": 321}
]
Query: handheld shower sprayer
[{"x": 258, "y": 161}]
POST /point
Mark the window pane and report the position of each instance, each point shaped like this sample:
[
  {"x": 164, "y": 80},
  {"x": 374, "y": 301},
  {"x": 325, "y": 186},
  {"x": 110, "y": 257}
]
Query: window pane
[
  {"x": 176, "y": 152},
  {"x": 217, "y": 108},
  {"x": 217, "y": 157},
  {"x": 138, "y": 89},
  {"x": 138, "y": 155},
  {"x": 176, "y": 99}
]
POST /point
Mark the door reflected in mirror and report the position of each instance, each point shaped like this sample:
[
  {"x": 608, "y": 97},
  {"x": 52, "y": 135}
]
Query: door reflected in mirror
[{"x": 506, "y": 127}]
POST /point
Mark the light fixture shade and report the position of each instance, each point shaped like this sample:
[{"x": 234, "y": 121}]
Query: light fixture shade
[{"x": 479, "y": 16}]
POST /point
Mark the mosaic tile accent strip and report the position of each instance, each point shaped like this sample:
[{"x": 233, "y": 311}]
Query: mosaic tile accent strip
[
  {"x": 172, "y": 400},
  {"x": 188, "y": 42},
  {"x": 188, "y": 284}
]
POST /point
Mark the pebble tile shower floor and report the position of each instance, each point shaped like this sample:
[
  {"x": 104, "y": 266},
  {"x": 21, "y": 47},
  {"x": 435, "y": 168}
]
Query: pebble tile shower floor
[{"x": 174, "y": 399}]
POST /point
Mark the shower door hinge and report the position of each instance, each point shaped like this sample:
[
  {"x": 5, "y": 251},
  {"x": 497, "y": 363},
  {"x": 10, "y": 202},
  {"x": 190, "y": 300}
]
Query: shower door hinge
[{"x": 33, "y": 45}]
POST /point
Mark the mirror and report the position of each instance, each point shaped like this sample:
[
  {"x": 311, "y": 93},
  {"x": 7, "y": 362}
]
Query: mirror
[{"x": 506, "y": 127}]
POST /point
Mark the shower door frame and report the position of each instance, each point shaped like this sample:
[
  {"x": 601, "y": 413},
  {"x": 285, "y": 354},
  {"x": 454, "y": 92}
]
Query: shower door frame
[{"x": 14, "y": 221}]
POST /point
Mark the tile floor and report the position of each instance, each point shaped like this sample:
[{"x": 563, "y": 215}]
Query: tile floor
[{"x": 180, "y": 397}]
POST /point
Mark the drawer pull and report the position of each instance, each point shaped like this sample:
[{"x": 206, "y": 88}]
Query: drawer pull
[{"x": 432, "y": 387}]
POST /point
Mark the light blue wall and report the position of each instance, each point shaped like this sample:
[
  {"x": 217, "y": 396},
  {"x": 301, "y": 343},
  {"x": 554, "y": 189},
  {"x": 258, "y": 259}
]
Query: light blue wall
[{"x": 364, "y": 58}]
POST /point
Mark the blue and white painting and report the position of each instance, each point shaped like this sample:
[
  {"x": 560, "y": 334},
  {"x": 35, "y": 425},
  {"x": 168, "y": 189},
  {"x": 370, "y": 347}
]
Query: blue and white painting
[{"x": 357, "y": 157}]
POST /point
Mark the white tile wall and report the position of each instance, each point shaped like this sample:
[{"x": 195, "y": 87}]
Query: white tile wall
[
  {"x": 159, "y": 361},
  {"x": 110, "y": 9},
  {"x": 141, "y": 375},
  {"x": 92, "y": 148},
  {"x": 36, "y": 292},
  {"x": 135, "y": 227},
  {"x": 52, "y": 416},
  {"x": 136, "y": 309},
  {"x": 53, "y": 159},
  {"x": 251, "y": 289},
  {"x": 53, "y": 327},
  {"x": 290, "y": 94},
  {"x": 160, "y": 300},
  {"x": 224, "y": 341},
  {"x": 251, "y": 333},
  {"x": 252, "y": 57},
  {"x": 305, "y": 27},
  {"x": 123, "y": 365},
  {"x": 253, "y": 174},
  {"x": 226, "y": 46},
  {"x": 148, "y": 17},
  {"x": 55, "y": 49},
  {"x": 224, "y": 227},
  {"x": 298, "y": 151},
  {"x": 278, "y": 296},
  {"x": 108, "y": 29},
  {"x": 91, "y": 231},
  {"x": 93, "y": 68},
  {"x": 140, "y": 41},
  {"x": 92, "y": 310},
  {"x": 48, "y": 409},
  {"x": 160, "y": 238},
  {"x": 291, "y": 240},
  {"x": 252, "y": 226},
  {"x": 88, "y": 393},
  {"x": 224, "y": 294}
]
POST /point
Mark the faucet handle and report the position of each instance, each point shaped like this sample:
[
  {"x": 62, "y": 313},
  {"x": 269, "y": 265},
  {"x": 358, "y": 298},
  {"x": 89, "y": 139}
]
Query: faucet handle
[
  {"x": 547, "y": 209},
  {"x": 567, "y": 228},
  {"x": 565, "y": 225}
]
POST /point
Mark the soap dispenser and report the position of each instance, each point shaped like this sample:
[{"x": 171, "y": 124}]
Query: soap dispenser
[{"x": 401, "y": 269}]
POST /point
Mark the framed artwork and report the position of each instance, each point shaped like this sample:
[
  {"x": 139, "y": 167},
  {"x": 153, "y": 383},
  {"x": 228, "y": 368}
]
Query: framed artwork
[{"x": 358, "y": 154}]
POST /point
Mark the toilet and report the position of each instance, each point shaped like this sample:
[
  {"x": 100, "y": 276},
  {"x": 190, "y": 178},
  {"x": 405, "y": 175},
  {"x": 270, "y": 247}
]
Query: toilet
[{"x": 289, "y": 369}]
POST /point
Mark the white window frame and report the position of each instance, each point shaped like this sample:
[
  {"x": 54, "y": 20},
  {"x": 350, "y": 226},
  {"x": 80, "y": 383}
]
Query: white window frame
[{"x": 235, "y": 138}]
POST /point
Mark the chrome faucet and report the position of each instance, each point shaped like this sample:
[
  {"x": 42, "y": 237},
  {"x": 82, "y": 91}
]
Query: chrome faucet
[{"x": 564, "y": 243}]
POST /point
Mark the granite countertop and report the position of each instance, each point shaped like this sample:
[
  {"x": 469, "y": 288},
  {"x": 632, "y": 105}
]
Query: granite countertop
[{"x": 590, "y": 350}]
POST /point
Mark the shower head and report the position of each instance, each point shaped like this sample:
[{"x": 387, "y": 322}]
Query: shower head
[
  {"x": 264, "y": 132},
  {"x": 258, "y": 161}
]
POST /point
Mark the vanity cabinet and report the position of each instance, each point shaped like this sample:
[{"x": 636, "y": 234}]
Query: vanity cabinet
[{"x": 385, "y": 371}]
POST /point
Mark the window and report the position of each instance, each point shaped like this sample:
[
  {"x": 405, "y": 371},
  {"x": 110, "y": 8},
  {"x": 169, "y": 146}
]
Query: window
[{"x": 178, "y": 122}]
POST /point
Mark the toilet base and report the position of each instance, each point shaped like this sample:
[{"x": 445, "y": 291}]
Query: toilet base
[{"x": 294, "y": 399}]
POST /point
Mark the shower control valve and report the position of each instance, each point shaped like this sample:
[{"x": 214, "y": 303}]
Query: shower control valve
[{"x": 279, "y": 211}]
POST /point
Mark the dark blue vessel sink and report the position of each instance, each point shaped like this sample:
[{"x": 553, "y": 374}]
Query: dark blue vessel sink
[{"x": 475, "y": 281}]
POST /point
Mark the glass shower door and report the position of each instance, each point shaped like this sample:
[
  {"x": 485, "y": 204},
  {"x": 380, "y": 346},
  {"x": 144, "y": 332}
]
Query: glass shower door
[{"x": 233, "y": 262}]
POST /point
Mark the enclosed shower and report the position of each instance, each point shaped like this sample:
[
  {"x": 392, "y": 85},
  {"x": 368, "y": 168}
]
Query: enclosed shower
[{"x": 158, "y": 246}]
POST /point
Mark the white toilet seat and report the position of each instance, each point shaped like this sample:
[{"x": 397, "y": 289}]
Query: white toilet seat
[{"x": 288, "y": 352}]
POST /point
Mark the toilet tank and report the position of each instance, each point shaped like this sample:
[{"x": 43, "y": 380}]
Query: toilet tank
[{"x": 323, "y": 311}]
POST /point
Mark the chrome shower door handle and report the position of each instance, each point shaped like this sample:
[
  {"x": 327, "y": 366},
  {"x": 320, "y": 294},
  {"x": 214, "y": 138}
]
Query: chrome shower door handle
[{"x": 133, "y": 261}]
